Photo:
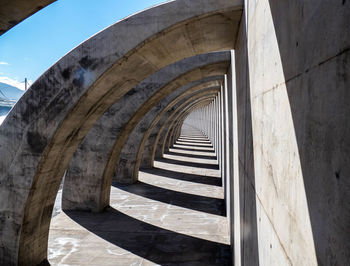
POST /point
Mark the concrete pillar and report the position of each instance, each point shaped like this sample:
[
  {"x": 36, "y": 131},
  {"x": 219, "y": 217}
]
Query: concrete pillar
[
  {"x": 222, "y": 144},
  {"x": 227, "y": 163},
  {"x": 234, "y": 162}
]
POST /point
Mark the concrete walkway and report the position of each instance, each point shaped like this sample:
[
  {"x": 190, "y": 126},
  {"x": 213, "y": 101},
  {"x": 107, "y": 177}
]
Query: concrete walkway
[{"x": 174, "y": 215}]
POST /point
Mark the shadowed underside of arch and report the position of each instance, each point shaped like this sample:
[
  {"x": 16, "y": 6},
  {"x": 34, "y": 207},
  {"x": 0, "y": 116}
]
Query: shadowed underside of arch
[
  {"x": 84, "y": 185},
  {"x": 181, "y": 117},
  {"x": 121, "y": 152},
  {"x": 148, "y": 139},
  {"x": 128, "y": 157},
  {"x": 84, "y": 200},
  {"x": 278, "y": 124},
  {"x": 44, "y": 129},
  {"x": 157, "y": 148},
  {"x": 159, "y": 122},
  {"x": 177, "y": 118}
]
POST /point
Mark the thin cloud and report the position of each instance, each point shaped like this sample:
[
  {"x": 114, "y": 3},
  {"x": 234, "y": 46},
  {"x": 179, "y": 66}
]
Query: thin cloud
[
  {"x": 14, "y": 82},
  {"x": 4, "y": 63}
]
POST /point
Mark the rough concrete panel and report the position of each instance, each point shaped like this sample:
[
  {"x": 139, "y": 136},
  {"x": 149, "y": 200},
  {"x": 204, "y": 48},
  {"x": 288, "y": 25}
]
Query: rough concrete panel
[
  {"x": 83, "y": 185},
  {"x": 298, "y": 66},
  {"x": 43, "y": 130}
]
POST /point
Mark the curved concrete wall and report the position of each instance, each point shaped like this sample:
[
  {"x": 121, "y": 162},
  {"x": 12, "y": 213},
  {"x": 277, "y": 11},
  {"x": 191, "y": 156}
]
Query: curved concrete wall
[
  {"x": 40, "y": 135},
  {"x": 129, "y": 168},
  {"x": 87, "y": 185},
  {"x": 123, "y": 150},
  {"x": 158, "y": 143},
  {"x": 146, "y": 146},
  {"x": 278, "y": 121}
]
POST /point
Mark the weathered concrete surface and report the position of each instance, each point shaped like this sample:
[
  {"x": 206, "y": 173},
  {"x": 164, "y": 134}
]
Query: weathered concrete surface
[
  {"x": 168, "y": 218},
  {"x": 79, "y": 203},
  {"x": 43, "y": 130},
  {"x": 118, "y": 162},
  {"x": 86, "y": 187},
  {"x": 139, "y": 135},
  {"x": 168, "y": 140},
  {"x": 126, "y": 148},
  {"x": 13, "y": 12},
  {"x": 158, "y": 150},
  {"x": 292, "y": 59},
  {"x": 177, "y": 118},
  {"x": 147, "y": 144},
  {"x": 299, "y": 65}
]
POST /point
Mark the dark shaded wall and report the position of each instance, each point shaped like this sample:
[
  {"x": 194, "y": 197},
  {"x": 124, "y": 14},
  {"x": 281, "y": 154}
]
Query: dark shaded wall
[{"x": 247, "y": 199}]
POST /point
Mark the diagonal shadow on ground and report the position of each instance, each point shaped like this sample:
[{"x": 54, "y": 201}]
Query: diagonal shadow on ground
[
  {"x": 174, "y": 152},
  {"x": 185, "y": 200},
  {"x": 158, "y": 245},
  {"x": 207, "y": 180},
  {"x": 191, "y": 164}
]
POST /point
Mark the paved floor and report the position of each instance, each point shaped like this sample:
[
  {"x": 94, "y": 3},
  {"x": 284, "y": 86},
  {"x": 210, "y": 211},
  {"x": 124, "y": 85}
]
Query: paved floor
[{"x": 174, "y": 215}]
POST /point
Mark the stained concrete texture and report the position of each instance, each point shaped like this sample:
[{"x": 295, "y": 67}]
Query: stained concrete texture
[
  {"x": 43, "y": 130},
  {"x": 174, "y": 215}
]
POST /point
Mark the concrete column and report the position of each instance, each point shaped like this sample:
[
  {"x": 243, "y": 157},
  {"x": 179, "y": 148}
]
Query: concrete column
[
  {"x": 227, "y": 163},
  {"x": 222, "y": 144},
  {"x": 218, "y": 127},
  {"x": 220, "y": 136},
  {"x": 235, "y": 186}
]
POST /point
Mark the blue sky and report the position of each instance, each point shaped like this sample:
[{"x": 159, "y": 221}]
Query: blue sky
[{"x": 35, "y": 44}]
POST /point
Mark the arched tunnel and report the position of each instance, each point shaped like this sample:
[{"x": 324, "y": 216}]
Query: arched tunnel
[{"x": 186, "y": 117}]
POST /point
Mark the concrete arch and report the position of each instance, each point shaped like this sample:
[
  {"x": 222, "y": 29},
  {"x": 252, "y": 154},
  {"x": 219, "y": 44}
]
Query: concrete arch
[
  {"x": 44, "y": 129},
  {"x": 169, "y": 132},
  {"x": 169, "y": 139},
  {"x": 176, "y": 129},
  {"x": 183, "y": 113},
  {"x": 176, "y": 132},
  {"x": 281, "y": 123},
  {"x": 102, "y": 182},
  {"x": 129, "y": 154},
  {"x": 84, "y": 185},
  {"x": 146, "y": 146},
  {"x": 144, "y": 157},
  {"x": 157, "y": 151},
  {"x": 145, "y": 153},
  {"x": 119, "y": 164}
]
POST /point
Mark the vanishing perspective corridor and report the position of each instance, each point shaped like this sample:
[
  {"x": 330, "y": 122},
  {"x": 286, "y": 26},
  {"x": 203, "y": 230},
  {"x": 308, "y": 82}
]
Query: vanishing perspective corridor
[
  {"x": 174, "y": 215},
  {"x": 194, "y": 132}
]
